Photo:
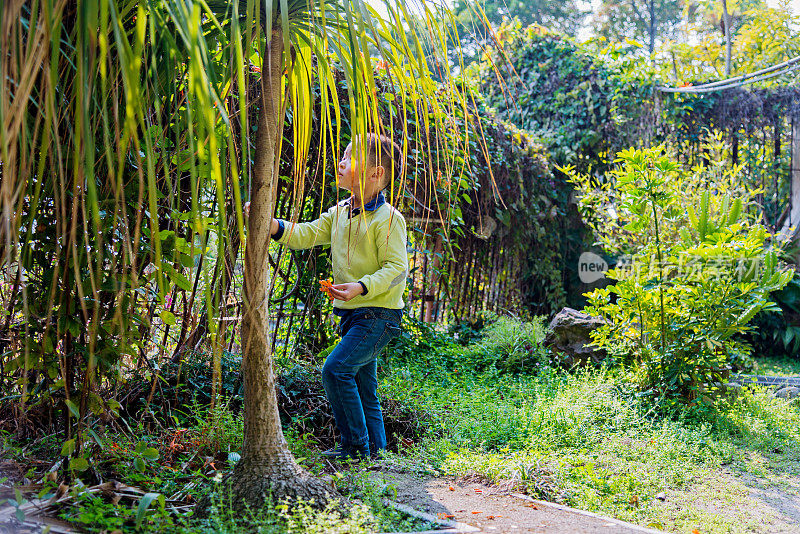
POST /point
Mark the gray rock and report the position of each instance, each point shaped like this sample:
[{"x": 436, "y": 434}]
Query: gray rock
[
  {"x": 788, "y": 392},
  {"x": 569, "y": 336}
]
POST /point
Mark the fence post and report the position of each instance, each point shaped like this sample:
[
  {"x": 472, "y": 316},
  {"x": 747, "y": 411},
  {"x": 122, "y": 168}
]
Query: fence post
[
  {"x": 429, "y": 301},
  {"x": 791, "y": 227}
]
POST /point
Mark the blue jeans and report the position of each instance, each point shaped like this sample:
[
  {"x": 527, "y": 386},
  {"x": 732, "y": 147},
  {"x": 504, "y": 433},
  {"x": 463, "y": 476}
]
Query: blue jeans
[{"x": 350, "y": 377}]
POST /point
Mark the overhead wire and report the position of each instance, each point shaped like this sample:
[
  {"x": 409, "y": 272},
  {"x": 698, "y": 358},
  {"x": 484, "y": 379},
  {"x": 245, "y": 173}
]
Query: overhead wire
[{"x": 737, "y": 81}]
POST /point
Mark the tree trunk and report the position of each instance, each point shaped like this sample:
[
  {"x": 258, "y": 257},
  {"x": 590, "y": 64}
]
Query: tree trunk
[
  {"x": 267, "y": 470},
  {"x": 726, "y": 22},
  {"x": 652, "y": 28}
]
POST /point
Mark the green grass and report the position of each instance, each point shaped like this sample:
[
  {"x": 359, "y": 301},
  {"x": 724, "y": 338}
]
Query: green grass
[
  {"x": 586, "y": 439},
  {"x": 583, "y": 438},
  {"x": 94, "y": 513},
  {"x": 777, "y": 366}
]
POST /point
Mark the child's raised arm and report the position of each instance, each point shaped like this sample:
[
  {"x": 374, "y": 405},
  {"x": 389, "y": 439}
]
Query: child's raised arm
[{"x": 307, "y": 234}]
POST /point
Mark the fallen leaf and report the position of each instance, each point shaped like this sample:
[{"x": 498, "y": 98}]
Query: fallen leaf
[
  {"x": 531, "y": 505},
  {"x": 477, "y": 512},
  {"x": 451, "y": 488},
  {"x": 695, "y": 531},
  {"x": 478, "y": 490},
  {"x": 442, "y": 515}
]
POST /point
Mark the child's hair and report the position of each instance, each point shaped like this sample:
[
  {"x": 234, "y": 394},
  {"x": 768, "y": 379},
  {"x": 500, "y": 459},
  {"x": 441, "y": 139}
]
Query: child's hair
[{"x": 381, "y": 150}]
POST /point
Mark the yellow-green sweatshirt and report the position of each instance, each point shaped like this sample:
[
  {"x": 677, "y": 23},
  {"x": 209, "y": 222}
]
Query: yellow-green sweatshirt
[{"x": 368, "y": 247}]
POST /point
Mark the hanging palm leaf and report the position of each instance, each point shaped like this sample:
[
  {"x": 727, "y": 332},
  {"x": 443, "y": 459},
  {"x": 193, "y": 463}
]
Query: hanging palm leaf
[{"x": 127, "y": 151}]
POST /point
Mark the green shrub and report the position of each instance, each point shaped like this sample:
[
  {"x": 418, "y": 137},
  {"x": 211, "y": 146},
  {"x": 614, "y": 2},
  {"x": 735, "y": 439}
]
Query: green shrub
[
  {"x": 582, "y": 104},
  {"x": 699, "y": 270},
  {"x": 466, "y": 331},
  {"x": 778, "y": 331},
  {"x": 419, "y": 340},
  {"x": 504, "y": 344},
  {"x": 511, "y": 345}
]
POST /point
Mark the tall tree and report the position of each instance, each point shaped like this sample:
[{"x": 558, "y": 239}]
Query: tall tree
[
  {"x": 758, "y": 36},
  {"x": 476, "y": 19},
  {"x": 297, "y": 34},
  {"x": 646, "y": 21},
  {"x": 562, "y": 16}
]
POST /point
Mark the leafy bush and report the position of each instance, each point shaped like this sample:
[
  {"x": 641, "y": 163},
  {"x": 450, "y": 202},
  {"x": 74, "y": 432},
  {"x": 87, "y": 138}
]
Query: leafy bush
[
  {"x": 465, "y": 331},
  {"x": 778, "y": 331},
  {"x": 421, "y": 341},
  {"x": 511, "y": 345},
  {"x": 694, "y": 278},
  {"x": 502, "y": 343},
  {"x": 183, "y": 386},
  {"x": 581, "y": 102}
]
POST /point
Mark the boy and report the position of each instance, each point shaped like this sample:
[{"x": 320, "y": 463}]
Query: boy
[{"x": 370, "y": 264}]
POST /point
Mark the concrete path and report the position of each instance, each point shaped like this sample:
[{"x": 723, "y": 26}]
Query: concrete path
[{"x": 475, "y": 507}]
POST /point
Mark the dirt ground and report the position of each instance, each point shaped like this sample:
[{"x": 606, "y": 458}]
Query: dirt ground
[
  {"x": 777, "y": 497},
  {"x": 493, "y": 510},
  {"x": 767, "y": 502}
]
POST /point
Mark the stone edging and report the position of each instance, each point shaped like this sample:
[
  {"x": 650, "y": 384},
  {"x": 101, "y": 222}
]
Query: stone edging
[
  {"x": 561, "y": 507},
  {"x": 448, "y": 526}
]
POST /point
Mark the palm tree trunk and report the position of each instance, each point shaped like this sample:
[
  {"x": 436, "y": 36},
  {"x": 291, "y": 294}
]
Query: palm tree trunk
[{"x": 267, "y": 469}]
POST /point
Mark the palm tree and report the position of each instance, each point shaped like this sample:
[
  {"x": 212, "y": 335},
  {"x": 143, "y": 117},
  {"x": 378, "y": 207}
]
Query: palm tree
[
  {"x": 117, "y": 114},
  {"x": 297, "y": 32}
]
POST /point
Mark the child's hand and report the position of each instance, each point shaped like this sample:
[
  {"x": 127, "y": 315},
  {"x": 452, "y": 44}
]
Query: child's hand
[
  {"x": 346, "y": 291},
  {"x": 273, "y": 229}
]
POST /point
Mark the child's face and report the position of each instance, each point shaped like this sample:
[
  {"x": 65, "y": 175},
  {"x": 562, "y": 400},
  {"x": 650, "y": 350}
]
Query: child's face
[
  {"x": 348, "y": 170},
  {"x": 349, "y": 173}
]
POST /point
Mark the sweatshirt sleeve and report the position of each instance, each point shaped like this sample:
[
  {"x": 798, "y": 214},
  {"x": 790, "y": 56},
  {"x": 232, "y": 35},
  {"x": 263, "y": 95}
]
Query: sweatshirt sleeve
[
  {"x": 392, "y": 256},
  {"x": 307, "y": 234}
]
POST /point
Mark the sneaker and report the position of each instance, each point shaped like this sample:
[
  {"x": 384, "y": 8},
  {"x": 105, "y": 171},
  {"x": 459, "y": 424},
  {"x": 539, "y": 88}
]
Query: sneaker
[
  {"x": 377, "y": 455},
  {"x": 338, "y": 452},
  {"x": 345, "y": 453}
]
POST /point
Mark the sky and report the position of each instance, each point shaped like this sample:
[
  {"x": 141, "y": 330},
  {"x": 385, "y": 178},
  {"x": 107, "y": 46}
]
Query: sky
[{"x": 794, "y": 3}]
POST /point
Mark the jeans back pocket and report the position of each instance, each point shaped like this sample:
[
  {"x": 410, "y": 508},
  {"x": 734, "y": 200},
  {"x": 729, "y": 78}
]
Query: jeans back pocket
[{"x": 390, "y": 330}]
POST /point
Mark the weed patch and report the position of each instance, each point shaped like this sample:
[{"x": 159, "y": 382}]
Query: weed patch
[{"x": 588, "y": 440}]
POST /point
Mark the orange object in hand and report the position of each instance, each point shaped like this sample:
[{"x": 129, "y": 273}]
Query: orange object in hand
[{"x": 325, "y": 287}]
